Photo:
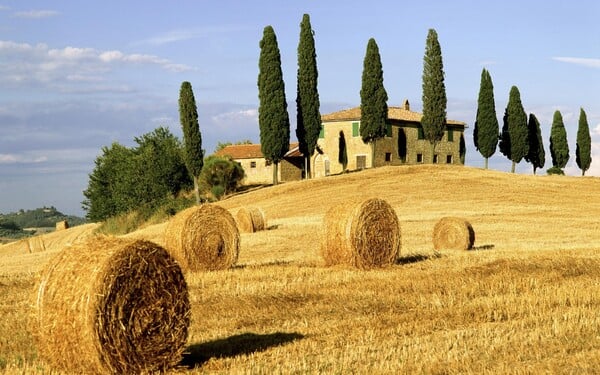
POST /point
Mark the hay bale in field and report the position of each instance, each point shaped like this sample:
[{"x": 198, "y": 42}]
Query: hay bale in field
[
  {"x": 111, "y": 306},
  {"x": 364, "y": 234},
  {"x": 453, "y": 233},
  {"x": 203, "y": 237},
  {"x": 62, "y": 225},
  {"x": 250, "y": 219}
]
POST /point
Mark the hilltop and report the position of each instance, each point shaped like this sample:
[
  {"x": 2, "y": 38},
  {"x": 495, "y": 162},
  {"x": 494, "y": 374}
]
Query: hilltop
[
  {"x": 25, "y": 223},
  {"x": 521, "y": 302}
]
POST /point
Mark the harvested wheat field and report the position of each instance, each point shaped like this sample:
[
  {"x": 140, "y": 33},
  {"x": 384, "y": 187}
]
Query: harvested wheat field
[{"x": 523, "y": 300}]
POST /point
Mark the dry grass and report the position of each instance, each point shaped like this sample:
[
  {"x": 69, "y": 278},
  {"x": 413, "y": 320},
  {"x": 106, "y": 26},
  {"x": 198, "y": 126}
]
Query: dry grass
[{"x": 524, "y": 301}]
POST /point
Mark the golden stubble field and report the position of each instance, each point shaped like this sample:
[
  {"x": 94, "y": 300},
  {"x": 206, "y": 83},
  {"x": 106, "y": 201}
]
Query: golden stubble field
[{"x": 526, "y": 300}]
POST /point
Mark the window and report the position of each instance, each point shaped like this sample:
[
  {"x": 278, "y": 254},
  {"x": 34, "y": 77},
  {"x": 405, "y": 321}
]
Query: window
[
  {"x": 322, "y": 132},
  {"x": 361, "y": 161},
  {"x": 450, "y": 135},
  {"x": 252, "y": 164},
  {"x": 388, "y": 130},
  {"x": 388, "y": 156},
  {"x": 435, "y": 159},
  {"x": 448, "y": 159},
  {"x": 355, "y": 131},
  {"x": 421, "y": 133},
  {"x": 419, "y": 158}
]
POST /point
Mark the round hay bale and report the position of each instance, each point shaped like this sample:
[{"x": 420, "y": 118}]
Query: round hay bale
[
  {"x": 62, "y": 225},
  {"x": 203, "y": 237},
  {"x": 250, "y": 219},
  {"x": 453, "y": 233},
  {"x": 363, "y": 235},
  {"x": 111, "y": 306}
]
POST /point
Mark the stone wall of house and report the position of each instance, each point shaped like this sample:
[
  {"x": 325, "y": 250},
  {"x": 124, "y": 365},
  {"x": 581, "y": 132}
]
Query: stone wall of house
[
  {"x": 388, "y": 150},
  {"x": 257, "y": 171},
  {"x": 289, "y": 171}
]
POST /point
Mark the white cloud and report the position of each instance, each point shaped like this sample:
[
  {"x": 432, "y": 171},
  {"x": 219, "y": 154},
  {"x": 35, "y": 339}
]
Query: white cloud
[
  {"x": 178, "y": 35},
  {"x": 36, "y": 14},
  {"x": 21, "y": 159},
  {"x": 587, "y": 62},
  {"x": 241, "y": 115},
  {"x": 25, "y": 62}
]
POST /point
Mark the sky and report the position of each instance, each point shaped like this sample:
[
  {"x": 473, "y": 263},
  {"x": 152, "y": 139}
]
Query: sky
[{"x": 78, "y": 76}]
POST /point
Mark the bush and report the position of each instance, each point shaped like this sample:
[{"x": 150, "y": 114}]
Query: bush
[
  {"x": 221, "y": 175},
  {"x": 555, "y": 171}
]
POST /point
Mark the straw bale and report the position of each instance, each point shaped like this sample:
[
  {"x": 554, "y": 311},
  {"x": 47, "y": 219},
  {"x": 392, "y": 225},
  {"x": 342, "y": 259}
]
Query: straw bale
[
  {"x": 111, "y": 306},
  {"x": 203, "y": 237},
  {"x": 250, "y": 219},
  {"x": 363, "y": 234},
  {"x": 453, "y": 233},
  {"x": 62, "y": 225}
]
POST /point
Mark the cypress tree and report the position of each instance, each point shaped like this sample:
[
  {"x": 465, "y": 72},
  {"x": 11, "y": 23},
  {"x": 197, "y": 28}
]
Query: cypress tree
[
  {"x": 536, "y": 154},
  {"x": 485, "y": 133},
  {"x": 584, "y": 143},
  {"x": 513, "y": 140},
  {"x": 434, "y": 92},
  {"x": 188, "y": 116},
  {"x": 307, "y": 99},
  {"x": 559, "y": 148},
  {"x": 342, "y": 151},
  {"x": 273, "y": 118},
  {"x": 373, "y": 98}
]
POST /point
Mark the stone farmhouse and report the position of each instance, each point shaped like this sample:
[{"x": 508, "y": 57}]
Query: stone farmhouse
[{"x": 404, "y": 144}]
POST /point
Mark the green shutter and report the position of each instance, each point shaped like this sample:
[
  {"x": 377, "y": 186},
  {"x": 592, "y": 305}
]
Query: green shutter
[
  {"x": 450, "y": 135},
  {"x": 388, "y": 130},
  {"x": 421, "y": 132},
  {"x": 322, "y": 132},
  {"x": 355, "y": 132}
]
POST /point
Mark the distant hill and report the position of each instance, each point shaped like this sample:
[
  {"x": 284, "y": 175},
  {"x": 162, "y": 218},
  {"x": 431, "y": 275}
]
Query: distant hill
[{"x": 12, "y": 225}]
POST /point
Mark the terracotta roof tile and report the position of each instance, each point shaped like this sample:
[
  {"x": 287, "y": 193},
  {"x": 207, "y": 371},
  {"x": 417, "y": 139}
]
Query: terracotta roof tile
[
  {"x": 246, "y": 151},
  {"x": 394, "y": 113}
]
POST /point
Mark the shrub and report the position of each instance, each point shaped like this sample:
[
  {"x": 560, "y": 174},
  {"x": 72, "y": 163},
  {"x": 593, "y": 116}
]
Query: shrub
[{"x": 555, "y": 170}]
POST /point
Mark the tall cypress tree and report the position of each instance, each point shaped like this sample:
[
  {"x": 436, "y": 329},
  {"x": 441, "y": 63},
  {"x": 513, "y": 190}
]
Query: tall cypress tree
[
  {"x": 307, "y": 100},
  {"x": 434, "y": 92},
  {"x": 188, "y": 116},
  {"x": 273, "y": 118},
  {"x": 536, "y": 154},
  {"x": 373, "y": 99},
  {"x": 485, "y": 133},
  {"x": 559, "y": 148},
  {"x": 584, "y": 143},
  {"x": 513, "y": 140}
]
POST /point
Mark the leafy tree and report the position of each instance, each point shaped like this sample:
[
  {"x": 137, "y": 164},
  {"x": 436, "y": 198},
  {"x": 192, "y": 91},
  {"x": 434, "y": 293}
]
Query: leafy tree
[
  {"x": 513, "y": 140},
  {"x": 273, "y": 118},
  {"x": 373, "y": 99},
  {"x": 434, "y": 92},
  {"x": 536, "y": 154},
  {"x": 188, "y": 116},
  {"x": 126, "y": 179},
  {"x": 342, "y": 151},
  {"x": 307, "y": 100},
  {"x": 221, "y": 172},
  {"x": 559, "y": 148},
  {"x": 584, "y": 143},
  {"x": 485, "y": 133}
]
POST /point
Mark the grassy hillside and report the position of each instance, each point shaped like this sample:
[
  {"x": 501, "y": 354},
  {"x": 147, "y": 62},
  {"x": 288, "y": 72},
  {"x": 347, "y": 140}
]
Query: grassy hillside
[{"x": 523, "y": 302}]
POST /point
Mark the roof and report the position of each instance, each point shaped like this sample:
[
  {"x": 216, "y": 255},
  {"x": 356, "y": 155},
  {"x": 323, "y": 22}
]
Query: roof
[
  {"x": 394, "y": 113},
  {"x": 248, "y": 151}
]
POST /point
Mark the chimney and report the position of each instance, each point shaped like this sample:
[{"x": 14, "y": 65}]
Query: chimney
[{"x": 406, "y": 105}]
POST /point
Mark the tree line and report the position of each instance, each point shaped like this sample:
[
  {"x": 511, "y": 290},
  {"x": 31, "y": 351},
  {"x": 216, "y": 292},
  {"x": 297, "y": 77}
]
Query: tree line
[{"x": 521, "y": 138}]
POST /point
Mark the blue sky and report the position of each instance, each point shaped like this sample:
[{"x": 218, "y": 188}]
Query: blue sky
[{"x": 76, "y": 76}]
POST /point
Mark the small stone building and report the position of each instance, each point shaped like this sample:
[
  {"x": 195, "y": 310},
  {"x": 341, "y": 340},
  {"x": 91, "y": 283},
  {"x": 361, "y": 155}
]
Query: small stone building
[
  {"x": 258, "y": 170},
  {"x": 404, "y": 143}
]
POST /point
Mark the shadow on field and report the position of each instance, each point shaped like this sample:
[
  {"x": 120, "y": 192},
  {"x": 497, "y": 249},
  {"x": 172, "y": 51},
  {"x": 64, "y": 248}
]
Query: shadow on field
[
  {"x": 414, "y": 258},
  {"x": 246, "y": 343},
  {"x": 483, "y": 247}
]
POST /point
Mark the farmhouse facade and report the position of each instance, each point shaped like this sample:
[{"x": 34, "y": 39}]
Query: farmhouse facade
[
  {"x": 258, "y": 170},
  {"x": 404, "y": 142}
]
